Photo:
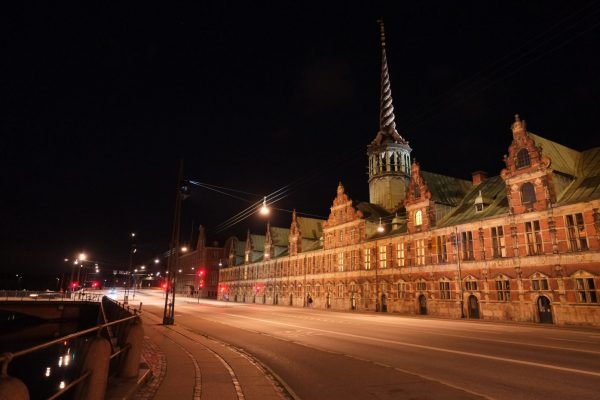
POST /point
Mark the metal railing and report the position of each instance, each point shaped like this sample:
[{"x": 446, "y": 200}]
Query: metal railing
[
  {"x": 28, "y": 295},
  {"x": 6, "y": 358}
]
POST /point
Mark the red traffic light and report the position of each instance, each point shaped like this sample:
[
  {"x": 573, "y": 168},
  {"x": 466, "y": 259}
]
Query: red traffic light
[
  {"x": 74, "y": 284},
  {"x": 200, "y": 272}
]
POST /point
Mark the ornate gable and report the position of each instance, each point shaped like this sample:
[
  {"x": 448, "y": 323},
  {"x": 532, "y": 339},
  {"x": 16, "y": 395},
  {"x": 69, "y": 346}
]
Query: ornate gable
[
  {"x": 342, "y": 210},
  {"x": 527, "y": 174},
  {"x": 420, "y": 209},
  {"x": 248, "y": 249},
  {"x": 345, "y": 224}
]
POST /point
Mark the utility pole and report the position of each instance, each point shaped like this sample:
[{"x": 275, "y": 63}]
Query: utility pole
[{"x": 173, "y": 263}]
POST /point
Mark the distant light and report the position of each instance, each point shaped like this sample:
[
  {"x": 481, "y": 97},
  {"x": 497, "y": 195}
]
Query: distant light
[
  {"x": 66, "y": 260},
  {"x": 132, "y": 234},
  {"x": 48, "y": 370},
  {"x": 220, "y": 263},
  {"x": 62, "y": 385},
  {"x": 179, "y": 270},
  {"x": 82, "y": 257},
  {"x": 143, "y": 267},
  {"x": 67, "y": 358},
  {"x": 60, "y": 361},
  {"x": 184, "y": 249},
  {"x": 192, "y": 268},
  {"x": 156, "y": 261},
  {"x": 380, "y": 228}
]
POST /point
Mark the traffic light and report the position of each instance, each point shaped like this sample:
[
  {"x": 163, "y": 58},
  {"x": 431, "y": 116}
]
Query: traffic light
[{"x": 74, "y": 284}]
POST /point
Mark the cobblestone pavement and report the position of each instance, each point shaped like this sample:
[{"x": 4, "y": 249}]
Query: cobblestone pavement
[{"x": 157, "y": 362}]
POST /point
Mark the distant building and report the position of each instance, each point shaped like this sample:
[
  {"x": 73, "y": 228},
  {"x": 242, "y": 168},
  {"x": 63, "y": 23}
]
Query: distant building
[
  {"x": 200, "y": 269},
  {"x": 523, "y": 245}
]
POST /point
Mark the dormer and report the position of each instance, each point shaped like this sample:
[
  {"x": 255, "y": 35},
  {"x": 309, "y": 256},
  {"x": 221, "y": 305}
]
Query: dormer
[
  {"x": 528, "y": 177},
  {"x": 420, "y": 209}
]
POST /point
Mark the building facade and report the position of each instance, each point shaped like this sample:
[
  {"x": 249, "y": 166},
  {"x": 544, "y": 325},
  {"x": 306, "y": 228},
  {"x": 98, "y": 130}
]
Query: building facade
[{"x": 523, "y": 245}]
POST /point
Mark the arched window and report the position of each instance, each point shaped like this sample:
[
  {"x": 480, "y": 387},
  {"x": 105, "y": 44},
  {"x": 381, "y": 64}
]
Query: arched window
[
  {"x": 527, "y": 194},
  {"x": 523, "y": 159},
  {"x": 418, "y": 218}
]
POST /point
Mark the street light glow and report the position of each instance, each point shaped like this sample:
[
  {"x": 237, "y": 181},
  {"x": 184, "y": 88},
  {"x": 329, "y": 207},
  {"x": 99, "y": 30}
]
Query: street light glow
[
  {"x": 82, "y": 257},
  {"x": 264, "y": 210}
]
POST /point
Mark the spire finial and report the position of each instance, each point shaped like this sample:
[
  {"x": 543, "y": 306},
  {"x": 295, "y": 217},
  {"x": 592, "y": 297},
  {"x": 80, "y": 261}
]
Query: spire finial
[{"x": 382, "y": 30}]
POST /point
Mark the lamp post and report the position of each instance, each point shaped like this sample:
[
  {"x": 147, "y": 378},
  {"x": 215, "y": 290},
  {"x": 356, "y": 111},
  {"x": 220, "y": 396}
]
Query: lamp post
[
  {"x": 460, "y": 287},
  {"x": 182, "y": 191}
]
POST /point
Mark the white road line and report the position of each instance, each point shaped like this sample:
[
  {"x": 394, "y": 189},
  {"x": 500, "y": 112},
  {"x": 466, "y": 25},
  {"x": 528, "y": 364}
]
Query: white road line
[{"x": 432, "y": 348}]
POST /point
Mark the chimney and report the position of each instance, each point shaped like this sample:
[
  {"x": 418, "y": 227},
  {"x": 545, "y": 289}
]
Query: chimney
[{"x": 478, "y": 177}]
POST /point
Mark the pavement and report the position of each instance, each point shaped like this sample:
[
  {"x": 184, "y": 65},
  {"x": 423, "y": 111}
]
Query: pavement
[{"x": 181, "y": 364}]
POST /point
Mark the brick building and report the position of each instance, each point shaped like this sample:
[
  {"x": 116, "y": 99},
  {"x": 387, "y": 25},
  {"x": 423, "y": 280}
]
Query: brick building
[{"x": 523, "y": 245}]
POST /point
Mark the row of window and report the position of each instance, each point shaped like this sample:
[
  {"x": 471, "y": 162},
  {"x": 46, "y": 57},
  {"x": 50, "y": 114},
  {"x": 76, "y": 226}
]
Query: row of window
[{"x": 585, "y": 289}]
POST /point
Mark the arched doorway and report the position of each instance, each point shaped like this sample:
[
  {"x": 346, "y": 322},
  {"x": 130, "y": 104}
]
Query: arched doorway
[
  {"x": 383, "y": 303},
  {"x": 422, "y": 305},
  {"x": 328, "y": 299},
  {"x": 291, "y": 299},
  {"x": 473, "y": 306},
  {"x": 544, "y": 310},
  {"x": 353, "y": 301},
  {"x": 276, "y": 300}
]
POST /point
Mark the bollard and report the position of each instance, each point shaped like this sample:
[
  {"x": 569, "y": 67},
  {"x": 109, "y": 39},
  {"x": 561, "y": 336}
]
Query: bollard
[
  {"x": 130, "y": 365},
  {"x": 96, "y": 360},
  {"x": 11, "y": 388}
]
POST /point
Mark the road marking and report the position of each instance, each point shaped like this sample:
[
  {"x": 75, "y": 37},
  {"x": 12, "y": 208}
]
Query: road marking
[
  {"x": 432, "y": 348},
  {"x": 577, "y": 341}
]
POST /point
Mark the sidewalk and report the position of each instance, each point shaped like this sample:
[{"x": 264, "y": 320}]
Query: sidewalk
[{"x": 186, "y": 365}]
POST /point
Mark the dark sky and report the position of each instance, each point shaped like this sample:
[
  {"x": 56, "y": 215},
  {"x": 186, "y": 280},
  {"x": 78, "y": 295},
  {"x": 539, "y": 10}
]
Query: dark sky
[{"x": 100, "y": 103}]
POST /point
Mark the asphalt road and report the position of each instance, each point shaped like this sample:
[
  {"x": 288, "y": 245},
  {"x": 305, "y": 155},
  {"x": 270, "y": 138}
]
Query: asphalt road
[{"x": 334, "y": 355}]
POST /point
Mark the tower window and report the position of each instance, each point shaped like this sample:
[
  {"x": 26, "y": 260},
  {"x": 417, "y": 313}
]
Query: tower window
[
  {"x": 528, "y": 194},
  {"x": 523, "y": 159},
  {"x": 418, "y": 218},
  {"x": 417, "y": 192}
]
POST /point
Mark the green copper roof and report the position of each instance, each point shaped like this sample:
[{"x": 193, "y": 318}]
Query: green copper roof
[
  {"x": 446, "y": 189},
  {"x": 586, "y": 186},
  {"x": 493, "y": 191},
  {"x": 563, "y": 159}
]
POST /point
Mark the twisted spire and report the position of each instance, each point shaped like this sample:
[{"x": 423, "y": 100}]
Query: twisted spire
[{"x": 386, "y": 114}]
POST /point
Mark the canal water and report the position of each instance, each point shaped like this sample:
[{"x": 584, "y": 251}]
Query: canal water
[{"x": 45, "y": 371}]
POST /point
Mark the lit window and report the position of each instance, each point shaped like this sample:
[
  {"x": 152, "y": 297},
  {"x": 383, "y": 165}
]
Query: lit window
[
  {"x": 400, "y": 254},
  {"x": 401, "y": 287},
  {"x": 467, "y": 245},
  {"x": 440, "y": 249},
  {"x": 420, "y": 248},
  {"x": 341, "y": 262},
  {"x": 382, "y": 256},
  {"x": 418, "y": 218},
  {"x": 367, "y": 258}
]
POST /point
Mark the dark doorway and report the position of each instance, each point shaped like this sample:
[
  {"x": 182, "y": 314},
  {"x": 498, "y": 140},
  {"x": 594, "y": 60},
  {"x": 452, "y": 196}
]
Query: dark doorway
[
  {"x": 473, "y": 306},
  {"x": 422, "y": 305},
  {"x": 328, "y": 300},
  {"x": 383, "y": 303},
  {"x": 353, "y": 302},
  {"x": 544, "y": 310}
]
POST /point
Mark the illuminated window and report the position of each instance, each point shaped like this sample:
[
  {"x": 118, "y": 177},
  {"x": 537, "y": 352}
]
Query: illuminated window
[
  {"x": 421, "y": 286},
  {"x": 420, "y": 248},
  {"x": 523, "y": 159},
  {"x": 533, "y": 237},
  {"x": 576, "y": 232},
  {"x": 418, "y": 218},
  {"x": 341, "y": 262},
  {"x": 382, "y": 256},
  {"x": 341, "y": 237},
  {"x": 400, "y": 254},
  {"x": 444, "y": 290},
  {"x": 401, "y": 290},
  {"x": 417, "y": 192},
  {"x": 367, "y": 258},
  {"x": 353, "y": 260}
]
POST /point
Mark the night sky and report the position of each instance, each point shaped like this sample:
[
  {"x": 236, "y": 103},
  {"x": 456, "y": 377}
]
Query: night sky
[{"x": 100, "y": 103}]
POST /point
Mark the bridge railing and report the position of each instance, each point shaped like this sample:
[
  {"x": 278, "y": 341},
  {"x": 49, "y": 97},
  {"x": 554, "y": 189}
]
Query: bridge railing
[
  {"x": 115, "y": 350},
  {"x": 25, "y": 295}
]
